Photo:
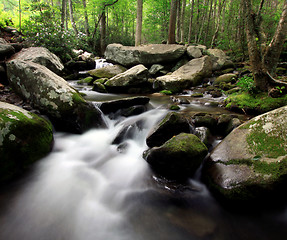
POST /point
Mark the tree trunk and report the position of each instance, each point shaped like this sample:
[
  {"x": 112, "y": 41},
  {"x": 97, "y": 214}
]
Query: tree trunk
[
  {"x": 72, "y": 17},
  {"x": 208, "y": 23},
  {"x": 190, "y": 22},
  {"x": 20, "y": 15},
  {"x": 182, "y": 20},
  {"x": 86, "y": 18},
  {"x": 274, "y": 49},
  {"x": 139, "y": 22},
  {"x": 103, "y": 34},
  {"x": 172, "y": 22},
  {"x": 178, "y": 22}
]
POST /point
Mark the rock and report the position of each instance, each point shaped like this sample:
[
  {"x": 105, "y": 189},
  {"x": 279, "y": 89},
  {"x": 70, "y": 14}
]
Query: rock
[
  {"x": 204, "y": 135},
  {"x": 134, "y": 77},
  {"x": 115, "y": 105},
  {"x": 42, "y": 56},
  {"x": 52, "y": 95},
  {"x": 179, "y": 157},
  {"x": 250, "y": 164},
  {"x": 222, "y": 60},
  {"x": 205, "y": 120},
  {"x": 76, "y": 66},
  {"x": 194, "y": 52},
  {"x": 99, "y": 87},
  {"x": 145, "y": 54},
  {"x": 155, "y": 68},
  {"x": 24, "y": 139},
  {"x": 107, "y": 72},
  {"x": 191, "y": 74},
  {"x": 172, "y": 124},
  {"x": 226, "y": 78},
  {"x": 6, "y": 50},
  {"x": 182, "y": 61}
]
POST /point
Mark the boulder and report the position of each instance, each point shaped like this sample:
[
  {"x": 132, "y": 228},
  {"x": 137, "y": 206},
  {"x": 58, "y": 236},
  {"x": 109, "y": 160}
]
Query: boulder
[
  {"x": 107, "y": 72},
  {"x": 52, "y": 95},
  {"x": 194, "y": 52},
  {"x": 155, "y": 68},
  {"x": 24, "y": 139},
  {"x": 145, "y": 54},
  {"x": 190, "y": 74},
  {"x": 172, "y": 124},
  {"x": 134, "y": 77},
  {"x": 250, "y": 164},
  {"x": 222, "y": 61},
  {"x": 6, "y": 50},
  {"x": 179, "y": 157},
  {"x": 115, "y": 105},
  {"x": 41, "y": 56},
  {"x": 225, "y": 78}
]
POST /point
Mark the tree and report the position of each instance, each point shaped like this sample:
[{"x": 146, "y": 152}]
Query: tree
[
  {"x": 139, "y": 22},
  {"x": 172, "y": 22},
  {"x": 72, "y": 17},
  {"x": 263, "y": 60}
]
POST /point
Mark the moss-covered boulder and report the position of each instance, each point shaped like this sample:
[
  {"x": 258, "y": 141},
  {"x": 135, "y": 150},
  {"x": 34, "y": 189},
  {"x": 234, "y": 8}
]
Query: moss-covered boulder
[
  {"x": 225, "y": 78},
  {"x": 251, "y": 162},
  {"x": 52, "y": 95},
  {"x": 179, "y": 157},
  {"x": 172, "y": 124},
  {"x": 24, "y": 139},
  {"x": 107, "y": 72}
]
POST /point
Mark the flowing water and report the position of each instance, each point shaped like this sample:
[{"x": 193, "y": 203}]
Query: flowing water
[{"x": 91, "y": 189}]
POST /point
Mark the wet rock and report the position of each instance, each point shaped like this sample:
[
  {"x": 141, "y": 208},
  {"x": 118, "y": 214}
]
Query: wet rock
[
  {"x": 24, "y": 139},
  {"x": 204, "y": 134},
  {"x": 42, "y": 56},
  {"x": 115, "y": 105},
  {"x": 191, "y": 74},
  {"x": 225, "y": 78},
  {"x": 146, "y": 54},
  {"x": 205, "y": 120},
  {"x": 250, "y": 164},
  {"x": 107, "y": 72},
  {"x": 172, "y": 124},
  {"x": 52, "y": 95},
  {"x": 179, "y": 157}
]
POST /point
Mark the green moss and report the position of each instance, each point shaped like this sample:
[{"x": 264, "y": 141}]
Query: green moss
[
  {"x": 174, "y": 107},
  {"x": 260, "y": 102},
  {"x": 166, "y": 92},
  {"x": 87, "y": 80}
]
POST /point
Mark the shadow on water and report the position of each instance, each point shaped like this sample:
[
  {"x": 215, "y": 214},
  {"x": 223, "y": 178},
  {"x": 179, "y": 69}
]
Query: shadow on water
[{"x": 90, "y": 189}]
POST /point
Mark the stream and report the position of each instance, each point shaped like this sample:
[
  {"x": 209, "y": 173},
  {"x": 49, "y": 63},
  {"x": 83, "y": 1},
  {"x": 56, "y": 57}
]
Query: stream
[{"x": 90, "y": 189}]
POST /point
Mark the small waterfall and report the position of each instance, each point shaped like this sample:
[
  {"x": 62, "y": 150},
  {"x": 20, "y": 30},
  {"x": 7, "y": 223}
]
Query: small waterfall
[{"x": 100, "y": 63}]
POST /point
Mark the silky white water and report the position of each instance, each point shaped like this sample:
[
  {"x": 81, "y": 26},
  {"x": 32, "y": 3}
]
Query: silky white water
[{"x": 78, "y": 191}]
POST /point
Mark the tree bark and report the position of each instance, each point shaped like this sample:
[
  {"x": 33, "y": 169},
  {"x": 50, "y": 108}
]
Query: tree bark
[
  {"x": 182, "y": 20},
  {"x": 72, "y": 17},
  {"x": 274, "y": 49},
  {"x": 86, "y": 18},
  {"x": 139, "y": 22},
  {"x": 190, "y": 22},
  {"x": 178, "y": 21},
  {"x": 103, "y": 33},
  {"x": 172, "y": 22}
]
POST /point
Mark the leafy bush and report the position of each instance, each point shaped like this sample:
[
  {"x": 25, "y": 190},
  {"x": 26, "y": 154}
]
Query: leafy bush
[{"x": 246, "y": 83}]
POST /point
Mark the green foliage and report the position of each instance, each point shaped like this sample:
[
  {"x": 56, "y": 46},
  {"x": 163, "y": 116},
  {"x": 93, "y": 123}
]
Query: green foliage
[
  {"x": 246, "y": 83},
  {"x": 4, "y": 17}
]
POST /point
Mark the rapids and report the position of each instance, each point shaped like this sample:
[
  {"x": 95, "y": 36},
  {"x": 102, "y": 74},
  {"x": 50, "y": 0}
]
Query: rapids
[{"x": 90, "y": 189}]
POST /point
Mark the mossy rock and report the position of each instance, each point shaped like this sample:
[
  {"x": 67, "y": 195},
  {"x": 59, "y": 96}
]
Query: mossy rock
[
  {"x": 254, "y": 103},
  {"x": 24, "y": 139},
  {"x": 172, "y": 124},
  {"x": 87, "y": 80},
  {"x": 179, "y": 157},
  {"x": 205, "y": 120},
  {"x": 197, "y": 95},
  {"x": 174, "y": 107},
  {"x": 107, "y": 72},
  {"x": 250, "y": 164},
  {"x": 226, "y": 78}
]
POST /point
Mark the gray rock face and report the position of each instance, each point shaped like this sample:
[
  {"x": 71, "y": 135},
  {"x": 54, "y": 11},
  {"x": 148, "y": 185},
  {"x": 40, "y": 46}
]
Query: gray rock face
[
  {"x": 251, "y": 162},
  {"x": 53, "y": 96},
  {"x": 155, "y": 68},
  {"x": 179, "y": 157},
  {"x": 190, "y": 74},
  {"x": 146, "y": 55},
  {"x": 41, "y": 56},
  {"x": 24, "y": 139},
  {"x": 135, "y": 76},
  {"x": 194, "y": 52},
  {"x": 221, "y": 60},
  {"x": 172, "y": 124}
]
